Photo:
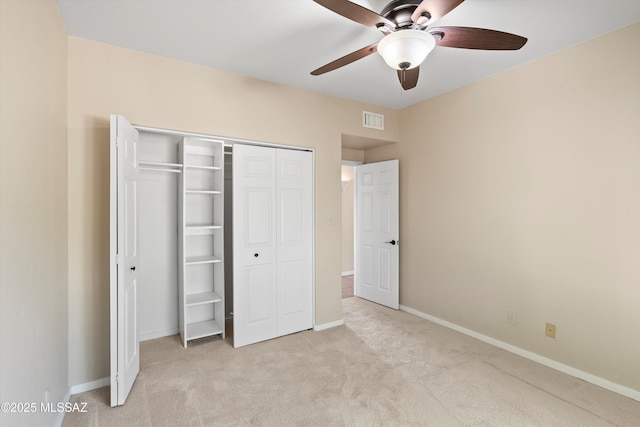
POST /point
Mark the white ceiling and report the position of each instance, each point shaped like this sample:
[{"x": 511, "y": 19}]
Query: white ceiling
[{"x": 284, "y": 40}]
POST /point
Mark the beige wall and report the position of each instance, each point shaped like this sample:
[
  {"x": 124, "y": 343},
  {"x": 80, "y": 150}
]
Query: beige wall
[
  {"x": 353, "y": 155},
  {"x": 524, "y": 196},
  {"x": 33, "y": 208},
  {"x": 532, "y": 206},
  {"x": 347, "y": 218},
  {"x": 159, "y": 92}
]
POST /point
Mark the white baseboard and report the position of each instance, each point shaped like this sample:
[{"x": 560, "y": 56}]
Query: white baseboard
[
  {"x": 91, "y": 385},
  {"x": 347, "y": 273},
  {"x": 158, "y": 334},
  {"x": 593, "y": 379},
  {"x": 60, "y": 418},
  {"x": 329, "y": 325}
]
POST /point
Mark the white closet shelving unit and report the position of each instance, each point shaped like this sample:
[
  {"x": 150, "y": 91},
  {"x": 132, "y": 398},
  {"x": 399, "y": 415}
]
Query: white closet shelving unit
[{"x": 201, "y": 240}]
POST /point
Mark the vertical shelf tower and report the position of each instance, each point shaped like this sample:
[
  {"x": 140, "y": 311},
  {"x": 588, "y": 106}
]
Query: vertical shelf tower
[{"x": 201, "y": 248}]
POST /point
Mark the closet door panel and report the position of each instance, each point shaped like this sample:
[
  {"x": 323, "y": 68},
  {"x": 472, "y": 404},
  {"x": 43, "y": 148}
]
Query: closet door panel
[
  {"x": 254, "y": 252},
  {"x": 260, "y": 287},
  {"x": 258, "y": 218},
  {"x": 294, "y": 242},
  {"x": 293, "y": 295}
]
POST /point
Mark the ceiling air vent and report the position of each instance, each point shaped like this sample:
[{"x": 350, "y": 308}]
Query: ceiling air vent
[{"x": 372, "y": 120}]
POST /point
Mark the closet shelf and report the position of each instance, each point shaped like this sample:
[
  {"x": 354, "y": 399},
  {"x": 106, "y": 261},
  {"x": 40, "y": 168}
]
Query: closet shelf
[
  {"x": 208, "y": 259},
  {"x": 203, "y": 329},
  {"x": 202, "y": 298},
  {"x": 197, "y": 230}
]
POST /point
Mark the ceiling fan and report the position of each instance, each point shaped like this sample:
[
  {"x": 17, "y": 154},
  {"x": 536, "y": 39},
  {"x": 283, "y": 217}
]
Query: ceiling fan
[{"x": 408, "y": 37}]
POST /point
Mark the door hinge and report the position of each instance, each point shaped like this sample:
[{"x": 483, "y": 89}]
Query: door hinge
[{"x": 117, "y": 376}]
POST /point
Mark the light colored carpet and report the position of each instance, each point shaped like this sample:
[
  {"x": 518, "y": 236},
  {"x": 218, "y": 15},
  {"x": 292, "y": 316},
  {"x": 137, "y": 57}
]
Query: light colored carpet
[{"x": 383, "y": 367}]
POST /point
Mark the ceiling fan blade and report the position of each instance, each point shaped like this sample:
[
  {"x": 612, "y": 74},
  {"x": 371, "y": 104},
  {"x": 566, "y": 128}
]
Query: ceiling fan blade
[
  {"x": 409, "y": 78},
  {"x": 357, "y": 13},
  {"x": 476, "y": 38},
  {"x": 347, "y": 59},
  {"x": 436, "y": 8}
]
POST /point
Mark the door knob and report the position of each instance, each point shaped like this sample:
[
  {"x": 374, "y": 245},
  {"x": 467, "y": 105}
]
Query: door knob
[
  {"x": 392, "y": 242},
  {"x": 133, "y": 268}
]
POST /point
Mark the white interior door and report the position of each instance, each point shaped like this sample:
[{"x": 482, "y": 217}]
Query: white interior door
[
  {"x": 254, "y": 248},
  {"x": 125, "y": 354},
  {"x": 294, "y": 240},
  {"x": 377, "y": 233}
]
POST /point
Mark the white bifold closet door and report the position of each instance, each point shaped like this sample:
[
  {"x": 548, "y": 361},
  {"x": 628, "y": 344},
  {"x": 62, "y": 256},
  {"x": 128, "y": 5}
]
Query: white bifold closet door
[
  {"x": 125, "y": 348},
  {"x": 273, "y": 242}
]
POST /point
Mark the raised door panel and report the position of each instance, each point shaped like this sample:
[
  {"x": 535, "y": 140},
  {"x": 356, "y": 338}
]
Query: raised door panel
[
  {"x": 258, "y": 217},
  {"x": 259, "y": 301}
]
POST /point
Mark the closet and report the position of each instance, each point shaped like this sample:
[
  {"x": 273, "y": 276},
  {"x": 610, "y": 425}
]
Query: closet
[
  {"x": 178, "y": 206},
  {"x": 184, "y": 207},
  {"x": 273, "y": 242}
]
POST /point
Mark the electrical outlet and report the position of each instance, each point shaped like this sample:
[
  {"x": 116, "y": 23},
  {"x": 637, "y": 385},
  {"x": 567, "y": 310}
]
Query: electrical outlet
[
  {"x": 512, "y": 318},
  {"x": 550, "y": 330}
]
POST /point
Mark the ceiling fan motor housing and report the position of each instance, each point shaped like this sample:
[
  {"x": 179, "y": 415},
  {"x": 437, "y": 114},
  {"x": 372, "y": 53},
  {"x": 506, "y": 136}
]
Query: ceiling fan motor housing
[{"x": 400, "y": 11}]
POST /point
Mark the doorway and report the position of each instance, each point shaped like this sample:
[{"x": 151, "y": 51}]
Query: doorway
[
  {"x": 370, "y": 231},
  {"x": 348, "y": 221}
]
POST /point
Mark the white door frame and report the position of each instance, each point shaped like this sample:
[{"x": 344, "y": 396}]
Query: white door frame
[{"x": 354, "y": 164}]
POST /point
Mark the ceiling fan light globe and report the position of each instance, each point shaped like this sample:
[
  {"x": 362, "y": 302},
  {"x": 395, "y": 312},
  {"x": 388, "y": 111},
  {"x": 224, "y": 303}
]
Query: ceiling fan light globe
[{"x": 406, "y": 47}]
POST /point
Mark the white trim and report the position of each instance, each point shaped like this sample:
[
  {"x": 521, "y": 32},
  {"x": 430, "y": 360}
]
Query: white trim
[
  {"x": 91, "y": 385},
  {"x": 228, "y": 141},
  {"x": 593, "y": 379},
  {"x": 60, "y": 419},
  {"x": 313, "y": 237},
  {"x": 351, "y": 163},
  {"x": 158, "y": 334},
  {"x": 328, "y": 325},
  {"x": 113, "y": 255},
  {"x": 347, "y": 273}
]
